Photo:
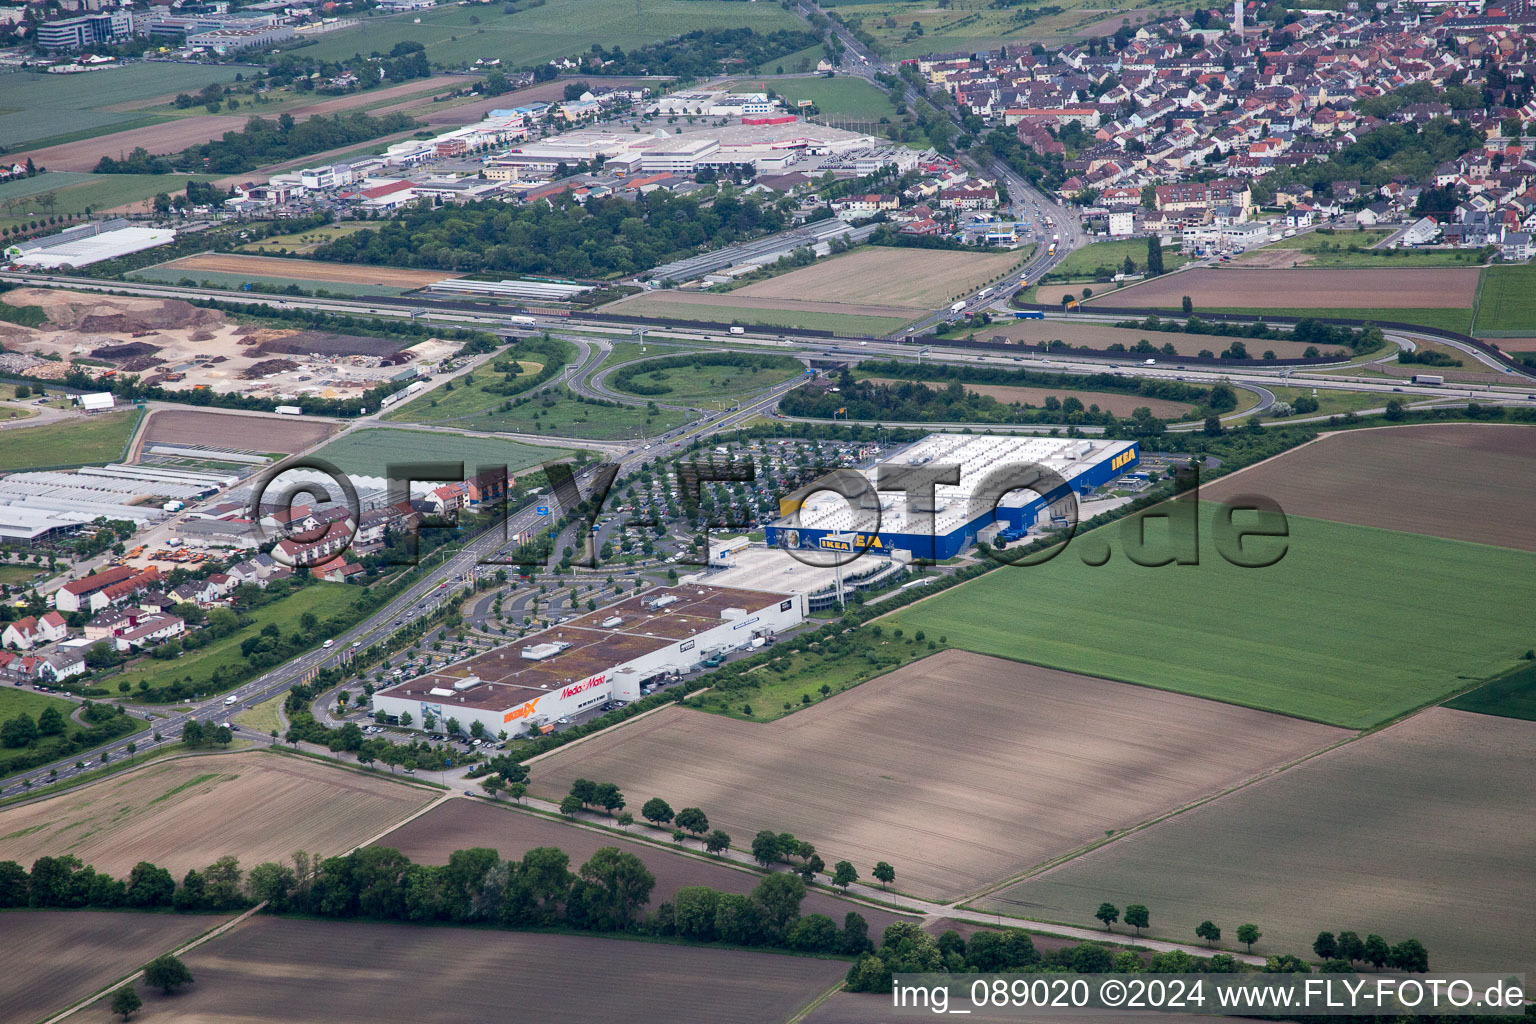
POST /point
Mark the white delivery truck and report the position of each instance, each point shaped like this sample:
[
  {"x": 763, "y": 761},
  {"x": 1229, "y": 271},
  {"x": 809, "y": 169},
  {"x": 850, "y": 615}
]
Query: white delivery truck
[{"x": 738, "y": 330}]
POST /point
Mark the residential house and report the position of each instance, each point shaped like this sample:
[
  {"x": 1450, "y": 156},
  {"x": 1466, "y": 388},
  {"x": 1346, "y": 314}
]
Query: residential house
[
  {"x": 25, "y": 634},
  {"x": 61, "y": 664},
  {"x": 75, "y": 596},
  {"x": 150, "y": 631}
]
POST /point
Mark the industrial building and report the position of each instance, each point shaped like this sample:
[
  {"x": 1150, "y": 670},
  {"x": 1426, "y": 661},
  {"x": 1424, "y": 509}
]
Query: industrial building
[
  {"x": 907, "y": 526},
  {"x": 87, "y": 244},
  {"x": 607, "y": 655},
  {"x": 46, "y": 503},
  {"x": 85, "y": 30}
]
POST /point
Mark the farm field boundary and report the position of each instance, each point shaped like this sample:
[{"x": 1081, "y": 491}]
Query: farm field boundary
[
  {"x": 187, "y": 812},
  {"x": 853, "y": 776},
  {"x": 1409, "y": 850},
  {"x": 743, "y": 987},
  {"x": 1183, "y": 628}
]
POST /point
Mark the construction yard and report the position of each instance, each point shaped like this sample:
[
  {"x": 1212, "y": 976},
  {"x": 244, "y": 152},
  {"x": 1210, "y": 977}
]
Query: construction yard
[
  {"x": 1404, "y": 833},
  {"x": 857, "y": 776},
  {"x": 188, "y": 812},
  {"x": 181, "y": 347}
]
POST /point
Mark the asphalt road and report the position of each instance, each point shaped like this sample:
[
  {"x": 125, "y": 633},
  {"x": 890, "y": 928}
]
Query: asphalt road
[{"x": 420, "y": 598}]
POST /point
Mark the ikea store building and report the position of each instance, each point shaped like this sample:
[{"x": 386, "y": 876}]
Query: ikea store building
[{"x": 911, "y": 525}]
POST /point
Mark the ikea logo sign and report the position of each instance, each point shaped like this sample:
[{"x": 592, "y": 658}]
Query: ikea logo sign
[
  {"x": 1129, "y": 455},
  {"x": 859, "y": 543}
]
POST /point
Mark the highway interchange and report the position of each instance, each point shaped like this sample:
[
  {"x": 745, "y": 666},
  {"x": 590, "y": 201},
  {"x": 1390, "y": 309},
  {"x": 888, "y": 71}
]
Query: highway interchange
[{"x": 594, "y": 339}]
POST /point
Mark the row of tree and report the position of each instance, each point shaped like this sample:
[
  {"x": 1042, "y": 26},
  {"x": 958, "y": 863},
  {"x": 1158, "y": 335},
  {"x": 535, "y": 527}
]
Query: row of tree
[
  {"x": 1341, "y": 952},
  {"x": 610, "y": 892},
  {"x": 34, "y": 742},
  {"x": 1307, "y": 331},
  {"x": 916, "y": 402},
  {"x": 702, "y": 53},
  {"x": 260, "y": 142}
]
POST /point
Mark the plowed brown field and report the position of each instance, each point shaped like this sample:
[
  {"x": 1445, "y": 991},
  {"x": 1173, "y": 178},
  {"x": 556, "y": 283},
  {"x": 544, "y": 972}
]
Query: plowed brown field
[
  {"x": 276, "y": 971},
  {"x": 311, "y": 270},
  {"x": 189, "y": 812},
  {"x": 1465, "y": 481},
  {"x": 958, "y": 770}
]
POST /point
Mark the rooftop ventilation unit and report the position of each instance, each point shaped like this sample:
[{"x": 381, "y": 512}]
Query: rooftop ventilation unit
[
  {"x": 542, "y": 652},
  {"x": 612, "y": 622},
  {"x": 467, "y": 683}
]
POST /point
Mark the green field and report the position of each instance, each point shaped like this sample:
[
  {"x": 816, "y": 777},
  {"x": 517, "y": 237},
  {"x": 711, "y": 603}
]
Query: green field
[
  {"x": 303, "y": 241},
  {"x": 1338, "y": 631},
  {"x": 656, "y": 305},
  {"x": 264, "y": 716},
  {"x": 219, "y": 279},
  {"x": 1331, "y": 401},
  {"x": 537, "y": 34},
  {"x": 15, "y": 702},
  {"x": 557, "y": 413},
  {"x": 22, "y": 188},
  {"x": 706, "y": 380},
  {"x": 1506, "y": 300},
  {"x": 799, "y": 61},
  {"x": 1352, "y": 249},
  {"x": 12, "y": 574},
  {"x": 78, "y": 442},
  {"x": 466, "y": 406},
  {"x": 1450, "y": 319},
  {"x": 1082, "y": 264},
  {"x": 201, "y": 664},
  {"x": 1512, "y": 695},
  {"x": 95, "y": 192},
  {"x": 835, "y": 97},
  {"x": 369, "y": 452},
  {"x": 970, "y": 26},
  {"x": 40, "y": 108}
]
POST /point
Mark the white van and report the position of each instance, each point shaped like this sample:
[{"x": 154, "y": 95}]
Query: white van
[
  {"x": 328, "y": 643},
  {"x": 229, "y": 700}
]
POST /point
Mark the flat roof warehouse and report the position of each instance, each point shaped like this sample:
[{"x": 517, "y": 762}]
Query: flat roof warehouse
[{"x": 607, "y": 653}]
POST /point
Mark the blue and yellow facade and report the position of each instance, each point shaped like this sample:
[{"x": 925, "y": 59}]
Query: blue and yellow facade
[{"x": 1081, "y": 477}]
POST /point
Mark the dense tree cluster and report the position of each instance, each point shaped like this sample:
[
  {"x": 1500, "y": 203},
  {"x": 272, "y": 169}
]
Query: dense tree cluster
[
  {"x": 1307, "y": 331},
  {"x": 702, "y": 53},
  {"x": 26, "y": 742},
  {"x": 1410, "y": 149},
  {"x": 601, "y": 238},
  {"x": 262, "y": 141},
  {"x": 914, "y": 401}
]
